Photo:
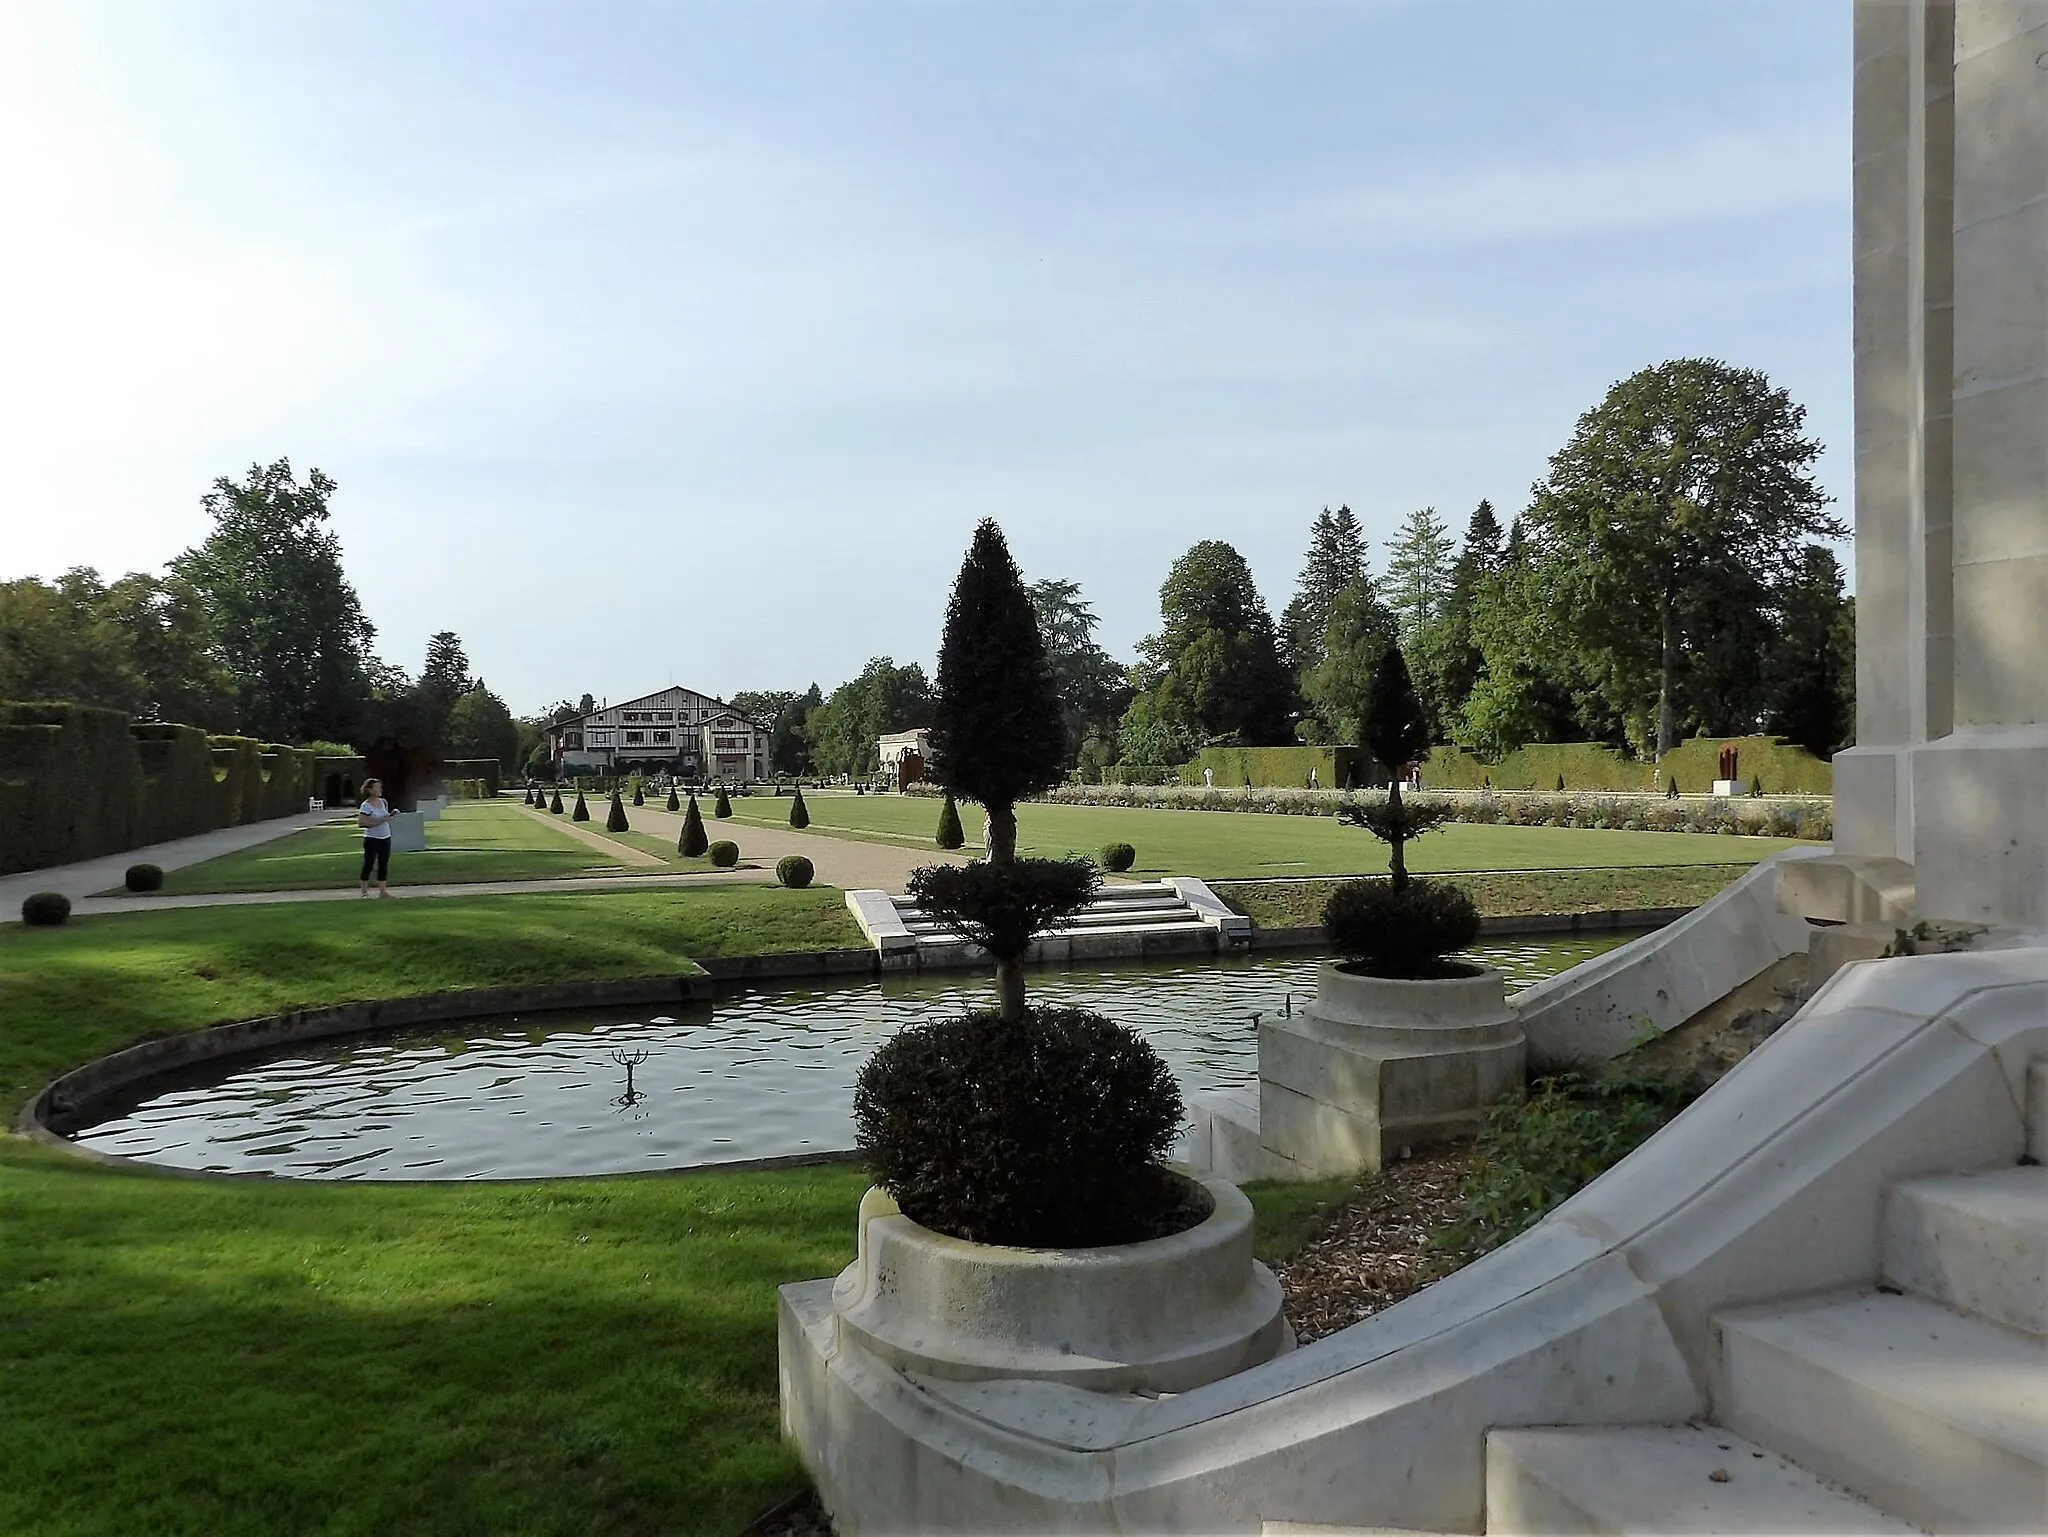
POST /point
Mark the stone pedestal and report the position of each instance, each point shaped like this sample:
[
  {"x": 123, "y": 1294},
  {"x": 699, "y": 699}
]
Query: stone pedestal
[
  {"x": 1378, "y": 1065},
  {"x": 408, "y": 833}
]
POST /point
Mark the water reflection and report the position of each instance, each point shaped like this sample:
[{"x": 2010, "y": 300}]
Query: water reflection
[{"x": 760, "y": 1073}]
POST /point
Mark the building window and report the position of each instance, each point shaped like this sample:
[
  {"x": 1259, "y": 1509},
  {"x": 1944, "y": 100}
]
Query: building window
[
  {"x": 600, "y": 739},
  {"x": 572, "y": 739},
  {"x": 635, "y": 738},
  {"x": 664, "y": 737}
]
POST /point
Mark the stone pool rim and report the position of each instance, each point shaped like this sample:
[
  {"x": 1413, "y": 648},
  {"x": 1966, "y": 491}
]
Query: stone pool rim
[{"x": 71, "y": 1092}]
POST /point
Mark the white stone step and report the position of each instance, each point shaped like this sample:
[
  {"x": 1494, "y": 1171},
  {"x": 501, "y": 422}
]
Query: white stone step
[
  {"x": 1936, "y": 1417},
  {"x": 1643, "y": 1479},
  {"x": 1978, "y": 1242}
]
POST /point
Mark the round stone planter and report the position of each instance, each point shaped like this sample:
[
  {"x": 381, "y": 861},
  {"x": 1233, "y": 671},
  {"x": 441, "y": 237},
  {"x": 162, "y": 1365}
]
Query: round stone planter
[
  {"x": 1435, "y": 1013},
  {"x": 1160, "y": 1316}
]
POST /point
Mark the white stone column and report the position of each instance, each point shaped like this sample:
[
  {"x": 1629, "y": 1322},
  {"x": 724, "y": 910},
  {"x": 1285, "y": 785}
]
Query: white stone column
[{"x": 1980, "y": 794}]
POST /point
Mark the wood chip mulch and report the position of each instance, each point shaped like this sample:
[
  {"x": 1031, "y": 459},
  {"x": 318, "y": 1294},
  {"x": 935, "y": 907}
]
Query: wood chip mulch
[{"x": 1375, "y": 1249}]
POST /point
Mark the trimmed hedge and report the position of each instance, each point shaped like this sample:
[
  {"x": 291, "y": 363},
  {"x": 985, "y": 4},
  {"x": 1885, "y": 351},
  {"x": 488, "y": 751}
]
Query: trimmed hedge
[
  {"x": 1336, "y": 768},
  {"x": 45, "y": 909},
  {"x": 144, "y": 877},
  {"x": 794, "y": 871},
  {"x": 1785, "y": 768},
  {"x": 725, "y": 853},
  {"x": 1117, "y": 857},
  {"x": 487, "y": 769}
]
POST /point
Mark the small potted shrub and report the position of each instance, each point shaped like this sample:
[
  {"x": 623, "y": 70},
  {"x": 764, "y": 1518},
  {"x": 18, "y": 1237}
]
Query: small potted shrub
[
  {"x": 144, "y": 877},
  {"x": 725, "y": 853},
  {"x": 1117, "y": 857},
  {"x": 692, "y": 841},
  {"x": 45, "y": 909},
  {"x": 794, "y": 871}
]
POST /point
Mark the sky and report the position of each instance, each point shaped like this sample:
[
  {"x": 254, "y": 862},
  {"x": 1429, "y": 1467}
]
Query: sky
[{"x": 657, "y": 343}]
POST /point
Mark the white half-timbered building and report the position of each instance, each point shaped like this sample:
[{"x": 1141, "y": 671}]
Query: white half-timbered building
[{"x": 691, "y": 735}]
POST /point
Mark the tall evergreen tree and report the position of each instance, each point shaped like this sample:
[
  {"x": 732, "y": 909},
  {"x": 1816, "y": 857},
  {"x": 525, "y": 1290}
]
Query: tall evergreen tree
[
  {"x": 1443, "y": 657},
  {"x": 1811, "y": 671},
  {"x": 692, "y": 841},
  {"x": 1336, "y": 558},
  {"x": 1091, "y": 685},
  {"x": 1420, "y": 562},
  {"x": 1356, "y": 639},
  {"x": 1215, "y": 666}
]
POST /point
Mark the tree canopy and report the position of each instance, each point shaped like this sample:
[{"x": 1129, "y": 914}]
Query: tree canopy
[{"x": 1213, "y": 670}]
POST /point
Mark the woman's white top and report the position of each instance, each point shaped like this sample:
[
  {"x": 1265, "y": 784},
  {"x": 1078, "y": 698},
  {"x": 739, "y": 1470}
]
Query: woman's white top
[{"x": 380, "y": 819}]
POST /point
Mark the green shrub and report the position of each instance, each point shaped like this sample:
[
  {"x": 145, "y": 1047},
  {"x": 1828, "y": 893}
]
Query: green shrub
[
  {"x": 639, "y": 795},
  {"x": 1400, "y": 931},
  {"x": 673, "y": 803},
  {"x": 1534, "y": 1153},
  {"x": 692, "y": 842},
  {"x": 555, "y": 805},
  {"x": 722, "y": 807},
  {"x": 1000, "y": 907},
  {"x": 1756, "y": 787},
  {"x": 725, "y": 853},
  {"x": 45, "y": 909},
  {"x": 582, "y": 811},
  {"x": 799, "y": 813},
  {"x": 794, "y": 871},
  {"x": 527, "y": 798},
  {"x": 950, "y": 834},
  {"x": 144, "y": 877},
  {"x": 1671, "y": 787},
  {"x": 1560, "y": 783},
  {"x": 1117, "y": 857},
  {"x": 1044, "y": 1133},
  {"x": 615, "y": 819}
]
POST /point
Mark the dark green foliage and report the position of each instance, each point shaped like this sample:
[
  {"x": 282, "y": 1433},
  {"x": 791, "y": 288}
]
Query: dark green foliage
[
  {"x": 1000, "y": 907},
  {"x": 722, "y": 807},
  {"x": 527, "y": 798},
  {"x": 144, "y": 877},
  {"x": 1671, "y": 787},
  {"x": 45, "y": 909},
  {"x": 794, "y": 871},
  {"x": 1117, "y": 857},
  {"x": 1756, "y": 786},
  {"x": 1560, "y": 783},
  {"x": 1395, "y": 728},
  {"x": 1400, "y": 931},
  {"x": 1040, "y": 1133},
  {"x": 799, "y": 813},
  {"x": 996, "y": 729},
  {"x": 950, "y": 834},
  {"x": 693, "y": 841},
  {"x": 615, "y": 819},
  {"x": 1394, "y": 821},
  {"x": 725, "y": 853},
  {"x": 555, "y": 805},
  {"x": 582, "y": 811},
  {"x": 1217, "y": 661},
  {"x": 639, "y": 795},
  {"x": 1533, "y": 1154},
  {"x": 673, "y": 803}
]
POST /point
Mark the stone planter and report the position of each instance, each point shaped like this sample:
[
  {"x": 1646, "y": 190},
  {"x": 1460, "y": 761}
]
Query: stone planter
[
  {"x": 1160, "y": 1316},
  {"x": 1378, "y": 1065}
]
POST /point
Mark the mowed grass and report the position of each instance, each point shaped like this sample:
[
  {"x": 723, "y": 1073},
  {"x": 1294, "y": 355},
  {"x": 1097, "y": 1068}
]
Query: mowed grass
[
  {"x": 471, "y": 841},
  {"x": 103, "y": 982},
  {"x": 1299, "y": 904},
  {"x": 1242, "y": 845}
]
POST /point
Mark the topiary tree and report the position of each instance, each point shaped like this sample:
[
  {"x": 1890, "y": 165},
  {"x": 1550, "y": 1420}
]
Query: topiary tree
[
  {"x": 692, "y": 842},
  {"x": 144, "y": 877},
  {"x": 615, "y": 819},
  {"x": 639, "y": 795},
  {"x": 555, "y": 805},
  {"x": 799, "y": 813},
  {"x": 1000, "y": 908},
  {"x": 1400, "y": 931},
  {"x": 950, "y": 834},
  {"x": 1756, "y": 786},
  {"x": 673, "y": 803},
  {"x": 1397, "y": 733},
  {"x": 725, "y": 853},
  {"x": 722, "y": 807},
  {"x": 1117, "y": 857},
  {"x": 1671, "y": 788},
  {"x": 1560, "y": 782},
  {"x": 527, "y": 798},
  {"x": 582, "y": 811},
  {"x": 45, "y": 909},
  {"x": 794, "y": 871}
]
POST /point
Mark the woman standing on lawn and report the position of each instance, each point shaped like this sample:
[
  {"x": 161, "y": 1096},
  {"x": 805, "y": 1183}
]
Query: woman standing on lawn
[{"x": 374, "y": 818}]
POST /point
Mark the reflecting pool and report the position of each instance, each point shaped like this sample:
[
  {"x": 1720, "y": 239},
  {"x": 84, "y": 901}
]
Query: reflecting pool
[{"x": 761, "y": 1072}]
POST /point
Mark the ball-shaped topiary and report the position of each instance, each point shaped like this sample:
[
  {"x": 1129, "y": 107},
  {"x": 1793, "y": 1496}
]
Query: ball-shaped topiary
[
  {"x": 144, "y": 877},
  {"x": 45, "y": 909},
  {"x": 794, "y": 871},
  {"x": 799, "y": 813},
  {"x": 725, "y": 853},
  {"x": 692, "y": 841},
  {"x": 950, "y": 834},
  {"x": 1117, "y": 857},
  {"x": 1401, "y": 931},
  {"x": 722, "y": 807},
  {"x": 1041, "y": 1133}
]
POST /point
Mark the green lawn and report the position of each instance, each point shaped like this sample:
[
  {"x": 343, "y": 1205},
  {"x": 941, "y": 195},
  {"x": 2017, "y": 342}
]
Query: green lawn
[
  {"x": 1224, "y": 845},
  {"x": 1299, "y": 904},
  {"x": 261, "y": 1356},
  {"x": 472, "y": 841}
]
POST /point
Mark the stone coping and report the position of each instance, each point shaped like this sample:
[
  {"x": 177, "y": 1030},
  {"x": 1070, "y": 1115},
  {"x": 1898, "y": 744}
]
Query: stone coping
[{"x": 1607, "y": 922}]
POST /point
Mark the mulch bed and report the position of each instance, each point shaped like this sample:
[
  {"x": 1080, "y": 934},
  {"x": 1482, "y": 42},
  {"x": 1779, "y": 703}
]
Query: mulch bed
[{"x": 1375, "y": 1249}]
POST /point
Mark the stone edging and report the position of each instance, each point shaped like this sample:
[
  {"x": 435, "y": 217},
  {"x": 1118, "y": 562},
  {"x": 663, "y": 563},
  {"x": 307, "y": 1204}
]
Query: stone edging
[{"x": 1514, "y": 923}]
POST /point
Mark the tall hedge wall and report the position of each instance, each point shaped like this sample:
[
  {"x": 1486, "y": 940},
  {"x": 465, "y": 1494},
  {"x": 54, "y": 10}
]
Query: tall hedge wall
[
  {"x": 77, "y": 782},
  {"x": 1337, "y": 768},
  {"x": 486, "y": 769},
  {"x": 1784, "y": 767}
]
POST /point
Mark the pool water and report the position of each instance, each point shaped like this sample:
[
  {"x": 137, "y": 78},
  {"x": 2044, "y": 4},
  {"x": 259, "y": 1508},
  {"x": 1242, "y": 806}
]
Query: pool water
[{"x": 761, "y": 1072}]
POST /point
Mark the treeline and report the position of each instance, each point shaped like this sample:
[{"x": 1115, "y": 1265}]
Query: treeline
[{"x": 256, "y": 632}]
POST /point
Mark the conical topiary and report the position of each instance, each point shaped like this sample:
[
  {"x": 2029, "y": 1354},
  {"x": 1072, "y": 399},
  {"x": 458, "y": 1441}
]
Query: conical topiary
[
  {"x": 950, "y": 834},
  {"x": 693, "y": 842},
  {"x": 639, "y": 795},
  {"x": 527, "y": 798},
  {"x": 1671, "y": 787},
  {"x": 673, "y": 803},
  {"x": 722, "y": 807},
  {"x": 555, "y": 805},
  {"x": 582, "y": 811},
  {"x": 1756, "y": 786},
  {"x": 799, "y": 813},
  {"x": 615, "y": 819}
]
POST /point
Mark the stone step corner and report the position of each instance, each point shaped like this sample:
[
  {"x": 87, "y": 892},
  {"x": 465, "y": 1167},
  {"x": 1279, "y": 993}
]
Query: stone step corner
[{"x": 1974, "y": 1242}]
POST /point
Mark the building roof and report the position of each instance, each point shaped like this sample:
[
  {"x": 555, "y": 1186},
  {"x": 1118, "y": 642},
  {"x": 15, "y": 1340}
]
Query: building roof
[{"x": 627, "y": 704}]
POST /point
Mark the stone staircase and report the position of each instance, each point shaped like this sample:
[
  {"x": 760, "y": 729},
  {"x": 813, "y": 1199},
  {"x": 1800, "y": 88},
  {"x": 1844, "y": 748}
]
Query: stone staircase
[
  {"x": 1919, "y": 1405},
  {"x": 1137, "y": 918}
]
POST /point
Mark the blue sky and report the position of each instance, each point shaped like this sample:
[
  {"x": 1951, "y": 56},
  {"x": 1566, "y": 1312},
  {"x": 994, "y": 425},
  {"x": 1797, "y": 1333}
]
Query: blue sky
[{"x": 688, "y": 342}]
